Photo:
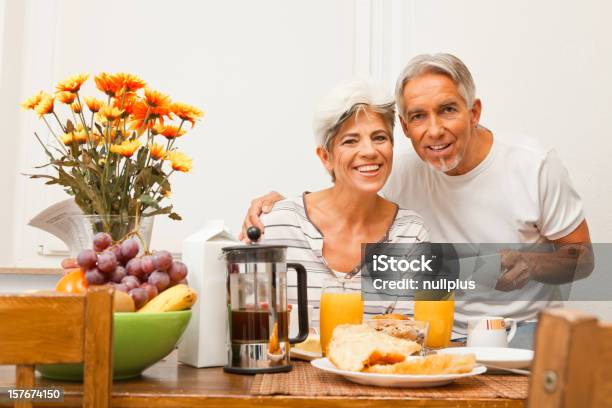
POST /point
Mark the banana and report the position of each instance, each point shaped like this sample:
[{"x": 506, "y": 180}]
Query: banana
[{"x": 179, "y": 297}]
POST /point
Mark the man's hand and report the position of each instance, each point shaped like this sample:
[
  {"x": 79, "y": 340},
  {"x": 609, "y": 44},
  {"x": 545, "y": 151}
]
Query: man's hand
[
  {"x": 572, "y": 259},
  {"x": 258, "y": 206},
  {"x": 516, "y": 271}
]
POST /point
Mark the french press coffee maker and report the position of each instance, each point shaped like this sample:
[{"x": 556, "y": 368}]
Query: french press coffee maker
[{"x": 258, "y": 319}]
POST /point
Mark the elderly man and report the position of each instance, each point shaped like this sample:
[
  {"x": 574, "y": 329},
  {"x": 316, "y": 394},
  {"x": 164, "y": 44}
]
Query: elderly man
[{"x": 473, "y": 186}]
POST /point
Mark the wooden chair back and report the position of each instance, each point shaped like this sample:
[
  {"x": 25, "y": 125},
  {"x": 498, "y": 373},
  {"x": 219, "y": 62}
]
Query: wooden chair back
[
  {"x": 59, "y": 329},
  {"x": 573, "y": 361}
]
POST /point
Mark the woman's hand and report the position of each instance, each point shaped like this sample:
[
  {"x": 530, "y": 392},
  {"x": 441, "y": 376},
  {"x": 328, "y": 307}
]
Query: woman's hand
[{"x": 258, "y": 206}]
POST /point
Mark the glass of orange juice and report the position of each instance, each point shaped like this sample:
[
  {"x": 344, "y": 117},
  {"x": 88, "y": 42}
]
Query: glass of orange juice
[
  {"x": 341, "y": 303},
  {"x": 440, "y": 315}
]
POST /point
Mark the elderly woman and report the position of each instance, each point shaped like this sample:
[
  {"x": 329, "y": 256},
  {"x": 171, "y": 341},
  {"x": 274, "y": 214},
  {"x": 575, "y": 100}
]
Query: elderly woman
[{"x": 324, "y": 229}]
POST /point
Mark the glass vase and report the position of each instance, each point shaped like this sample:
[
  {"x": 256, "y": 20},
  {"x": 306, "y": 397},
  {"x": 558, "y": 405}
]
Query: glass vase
[{"x": 83, "y": 228}]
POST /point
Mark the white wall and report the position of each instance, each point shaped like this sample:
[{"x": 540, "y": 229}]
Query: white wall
[
  {"x": 541, "y": 68},
  {"x": 11, "y": 17},
  {"x": 2, "y": 14},
  {"x": 258, "y": 67},
  {"x": 255, "y": 68}
]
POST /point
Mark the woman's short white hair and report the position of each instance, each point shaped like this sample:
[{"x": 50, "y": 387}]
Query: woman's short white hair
[
  {"x": 344, "y": 100},
  {"x": 445, "y": 64}
]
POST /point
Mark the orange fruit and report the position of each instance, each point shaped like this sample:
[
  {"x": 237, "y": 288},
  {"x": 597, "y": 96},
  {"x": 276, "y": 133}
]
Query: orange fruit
[{"x": 73, "y": 282}]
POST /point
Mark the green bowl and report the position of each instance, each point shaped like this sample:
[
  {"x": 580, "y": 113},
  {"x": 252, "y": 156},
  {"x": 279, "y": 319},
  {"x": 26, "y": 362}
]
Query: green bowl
[{"x": 140, "y": 340}]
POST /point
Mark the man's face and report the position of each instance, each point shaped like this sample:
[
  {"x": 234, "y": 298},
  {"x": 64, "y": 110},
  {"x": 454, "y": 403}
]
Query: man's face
[{"x": 439, "y": 123}]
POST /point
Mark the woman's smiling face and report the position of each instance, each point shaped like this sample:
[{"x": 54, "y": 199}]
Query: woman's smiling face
[{"x": 361, "y": 152}]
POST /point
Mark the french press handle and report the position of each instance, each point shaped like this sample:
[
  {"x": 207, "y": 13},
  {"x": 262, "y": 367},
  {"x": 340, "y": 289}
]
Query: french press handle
[{"x": 302, "y": 289}]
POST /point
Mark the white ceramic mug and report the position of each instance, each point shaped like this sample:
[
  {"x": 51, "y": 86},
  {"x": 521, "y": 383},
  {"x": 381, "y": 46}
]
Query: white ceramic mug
[{"x": 490, "y": 331}]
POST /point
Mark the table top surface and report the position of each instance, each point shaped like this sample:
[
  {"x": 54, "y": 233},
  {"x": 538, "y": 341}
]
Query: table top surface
[{"x": 170, "y": 384}]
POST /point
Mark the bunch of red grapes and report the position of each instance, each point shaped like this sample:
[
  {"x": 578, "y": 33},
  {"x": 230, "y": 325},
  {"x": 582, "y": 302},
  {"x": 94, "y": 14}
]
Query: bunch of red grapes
[{"x": 142, "y": 277}]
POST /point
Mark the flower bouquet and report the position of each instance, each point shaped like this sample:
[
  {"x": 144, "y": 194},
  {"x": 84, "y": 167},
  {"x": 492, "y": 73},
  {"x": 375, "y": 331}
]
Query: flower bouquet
[{"x": 114, "y": 155}]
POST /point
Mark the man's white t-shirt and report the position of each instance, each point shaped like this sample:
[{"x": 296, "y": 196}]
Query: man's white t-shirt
[{"x": 520, "y": 193}]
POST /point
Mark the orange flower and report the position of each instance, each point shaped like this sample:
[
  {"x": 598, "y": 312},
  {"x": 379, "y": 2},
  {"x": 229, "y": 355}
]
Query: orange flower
[
  {"x": 130, "y": 82},
  {"x": 45, "y": 105},
  {"x": 96, "y": 137},
  {"x": 157, "y": 129},
  {"x": 140, "y": 114},
  {"x": 180, "y": 161},
  {"x": 72, "y": 84},
  {"x": 158, "y": 103},
  {"x": 169, "y": 131},
  {"x": 93, "y": 104},
  {"x": 65, "y": 97},
  {"x": 109, "y": 113},
  {"x": 32, "y": 101},
  {"x": 157, "y": 151},
  {"x": 126, "y": 101},
  {"x": 126, "y": 148},
  {"x": 78, "y": 135},
  {"x": 155, "y": 106},
  {"x": 109, "y": 84},
  {"x": 112, "y": 134},
  {"x": 76, "y": 107},
  {"x": 67, "y": 138},
  {"x": 186, "y": 112},
  {"x": 166, "y": 193}
]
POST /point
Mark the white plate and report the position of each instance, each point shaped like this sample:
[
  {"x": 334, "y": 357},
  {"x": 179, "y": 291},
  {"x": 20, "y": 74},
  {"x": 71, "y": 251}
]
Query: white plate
[
  {"x": 304, "y": 355},
  {"x": 498, "y": 356},
  {"x": 394, "y": 380}
]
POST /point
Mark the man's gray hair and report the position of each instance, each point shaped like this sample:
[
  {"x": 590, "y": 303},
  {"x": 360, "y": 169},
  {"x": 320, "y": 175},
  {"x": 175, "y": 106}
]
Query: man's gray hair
[
  {"x": 346, "y": 99},
  {"x": 445, "y": 64}
]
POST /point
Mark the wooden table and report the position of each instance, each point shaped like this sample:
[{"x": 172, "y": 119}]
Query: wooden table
[{"x": 171, "y": 384}]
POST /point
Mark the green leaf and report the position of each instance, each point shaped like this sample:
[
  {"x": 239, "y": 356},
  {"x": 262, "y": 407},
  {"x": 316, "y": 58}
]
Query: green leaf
[
  {"x": 165, "y": 210},
  {"x": 142, "y": 156},
  {"x": 149, "y": 201},
  {"x": 143, "y": 177},
  {"x": 160, "y": 178},
  {"x": 86, "y": 158},
  {"x": 45, "y": 176},
  {"x": 175, "y": 216},
  {"x": 92, "y": 196}
]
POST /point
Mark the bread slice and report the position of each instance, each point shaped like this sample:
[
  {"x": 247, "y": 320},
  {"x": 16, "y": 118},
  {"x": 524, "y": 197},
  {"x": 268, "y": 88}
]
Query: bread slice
[
  {"x": 355, "y": 347},
  {"x": 434, "y": 364},
  {"x": 391, "y": 316}
]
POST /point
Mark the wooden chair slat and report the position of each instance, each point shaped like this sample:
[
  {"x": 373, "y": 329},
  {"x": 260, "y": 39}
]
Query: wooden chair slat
[
  {"x": 98, "y": 370},
  {"x": 572, "y": 355},
  {"x": 602, "y": 369},
  {"x": 37, "y": 329},
  {"x": 24, "y": 378},
  {"x": 31, "y": 327}
]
